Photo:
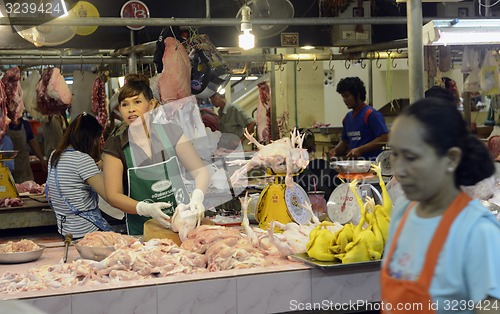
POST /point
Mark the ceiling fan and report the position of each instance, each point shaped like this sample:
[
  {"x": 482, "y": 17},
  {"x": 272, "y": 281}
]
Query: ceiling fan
[
  {"x": 268, "y": 9},
  {"x": 44, "y": 34}
]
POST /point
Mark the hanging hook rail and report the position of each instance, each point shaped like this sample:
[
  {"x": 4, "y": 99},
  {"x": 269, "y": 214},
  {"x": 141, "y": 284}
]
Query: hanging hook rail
[{"x": 297, "y": 65}]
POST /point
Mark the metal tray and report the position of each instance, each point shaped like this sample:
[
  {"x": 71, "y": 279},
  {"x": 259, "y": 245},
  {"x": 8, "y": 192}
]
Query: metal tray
[
  {"x": 303, "y": 257},
  {"x": 8, "y": 154},
  {"x": 21, "y": 257},
  {"x": 96, "y": 253}
]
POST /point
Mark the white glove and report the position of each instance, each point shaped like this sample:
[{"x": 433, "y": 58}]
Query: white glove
[
  {"x": 196, "y": 203},
  {"x": 154, "y": 210}
]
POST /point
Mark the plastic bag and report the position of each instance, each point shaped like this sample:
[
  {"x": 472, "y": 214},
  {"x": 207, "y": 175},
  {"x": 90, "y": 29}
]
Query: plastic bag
[
  {"x": 470, "y": 60},
  {"x": 489, "y": 76},
  {"x": 472, "y": 82}
]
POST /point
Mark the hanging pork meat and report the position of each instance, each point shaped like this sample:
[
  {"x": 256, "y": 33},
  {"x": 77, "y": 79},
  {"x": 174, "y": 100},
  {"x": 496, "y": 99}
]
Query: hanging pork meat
[
  {"x": 264, "y": 113},
  {"x": 4, "y": 119},
  {"x": 99, "y": 105},
  {"x": 53, "y": 94},
  {"x": 14, "y": 92},
  {"x": 175, "y": 79},
  {"x": 99, "y": 102}
]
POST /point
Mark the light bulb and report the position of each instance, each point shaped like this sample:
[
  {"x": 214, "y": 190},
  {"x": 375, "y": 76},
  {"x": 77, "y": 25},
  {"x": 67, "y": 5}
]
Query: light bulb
[{"x": 247, "y": 40}]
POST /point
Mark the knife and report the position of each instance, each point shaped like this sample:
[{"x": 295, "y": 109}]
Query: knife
[{"x": 67, "y": 241}]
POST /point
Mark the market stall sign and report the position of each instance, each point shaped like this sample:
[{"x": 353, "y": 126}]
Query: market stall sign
[{"x": 136, "y": 9}]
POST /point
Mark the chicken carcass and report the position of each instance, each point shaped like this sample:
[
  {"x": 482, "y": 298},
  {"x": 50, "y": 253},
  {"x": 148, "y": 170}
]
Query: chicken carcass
[{"x": 285, "y": 155}]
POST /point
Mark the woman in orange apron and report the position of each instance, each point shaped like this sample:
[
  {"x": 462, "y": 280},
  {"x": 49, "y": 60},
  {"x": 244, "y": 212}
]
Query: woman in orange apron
[
  {"x": 151, "y": 186},
  {"x": 443, "y": 250}
]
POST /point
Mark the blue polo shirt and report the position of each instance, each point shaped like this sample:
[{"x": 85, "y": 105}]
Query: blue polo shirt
[{"x": 362, "y": 127}]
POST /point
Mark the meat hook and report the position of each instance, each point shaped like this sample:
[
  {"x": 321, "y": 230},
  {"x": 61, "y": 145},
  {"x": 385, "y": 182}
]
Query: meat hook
[
  {"x": 61, "y": 64},
  {"x": 330, "y": 64},
  {"x": 363, "y": 65},
  {"x": 346, "y": 64},
  {"x": 281, "y": 62},
  {"x": 315, "y": 66},
  {"x": 393, "y": 63},
  {"x": 377, "y": 63},
  {"x": 297, "y": 65}
]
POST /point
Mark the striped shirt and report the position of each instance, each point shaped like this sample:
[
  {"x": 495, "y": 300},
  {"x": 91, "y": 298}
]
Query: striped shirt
[{"x": 73, "y": 168}]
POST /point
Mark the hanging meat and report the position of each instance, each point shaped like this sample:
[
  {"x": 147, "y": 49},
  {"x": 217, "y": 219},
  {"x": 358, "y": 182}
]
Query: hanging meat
[
  {"x": 4, "y": 119},
  {"x": 175, "y": 79},
  {"x": 264, "y": 113},
  {"x": 53, "y": 94},
  {"x": 14, "y": 92},
  {"x": 99, "y": 104}
]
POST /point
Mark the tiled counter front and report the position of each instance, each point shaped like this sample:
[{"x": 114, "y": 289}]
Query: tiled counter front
[{"x": 259, "y": 290}]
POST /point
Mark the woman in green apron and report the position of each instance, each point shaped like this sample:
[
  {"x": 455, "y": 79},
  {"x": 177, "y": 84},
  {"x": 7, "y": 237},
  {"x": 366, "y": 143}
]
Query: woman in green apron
[{"x": 141, "y": 181}]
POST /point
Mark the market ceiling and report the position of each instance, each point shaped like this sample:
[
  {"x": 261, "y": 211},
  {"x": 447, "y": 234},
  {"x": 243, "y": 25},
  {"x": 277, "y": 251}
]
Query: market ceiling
[{"x": 223, "y": 36}]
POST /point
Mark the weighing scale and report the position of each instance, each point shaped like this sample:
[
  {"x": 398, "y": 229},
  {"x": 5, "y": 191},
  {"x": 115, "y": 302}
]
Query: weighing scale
[
  {"x": 342, "y": 205},
  {"x": 281, "y": 203},
  {"x": 7, "y": 184}
]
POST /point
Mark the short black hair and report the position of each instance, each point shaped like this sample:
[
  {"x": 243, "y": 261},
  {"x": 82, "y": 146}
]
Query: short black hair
[
  {"x": 441, "y": 92},
  {"x": 353, "y": 85}
]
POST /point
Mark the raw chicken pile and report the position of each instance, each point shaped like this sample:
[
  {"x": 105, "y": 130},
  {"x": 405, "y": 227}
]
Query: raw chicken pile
[
  {"x": 106, "y": 239},
  {"x": 23, "y": 245}
]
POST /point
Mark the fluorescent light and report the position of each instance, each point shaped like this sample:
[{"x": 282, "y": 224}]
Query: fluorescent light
[
  {"x": 308, "y": 47},
  {"x": 461, "y": 32},
  {"x": 248, "y": 78},
  {"x": 247, "y": 40},
  {"x": 69, "y": 81}
]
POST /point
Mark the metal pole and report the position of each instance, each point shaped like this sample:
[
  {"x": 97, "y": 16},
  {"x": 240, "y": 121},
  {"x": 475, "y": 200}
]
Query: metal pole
[
  {"x": 415, "y": 50},
  {"x": 118, "y": 21},
  {"x": 132, "y": 58}
]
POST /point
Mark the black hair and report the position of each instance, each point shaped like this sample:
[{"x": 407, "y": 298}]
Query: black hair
[
  {"x": 353, "y": 85},
  {"x": 136, "y": 84},
  {"x": 441, "y": 92},
  {"x": 446, "y": 128},
  {"x": 83, "y": 134}
]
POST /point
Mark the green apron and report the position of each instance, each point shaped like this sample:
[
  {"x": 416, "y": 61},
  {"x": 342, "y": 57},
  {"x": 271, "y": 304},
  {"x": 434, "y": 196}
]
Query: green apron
[{"x": 160, "y": 182}]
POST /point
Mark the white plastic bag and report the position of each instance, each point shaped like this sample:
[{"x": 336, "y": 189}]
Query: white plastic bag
[
  {"x": 470, "y": 60},
  {"x": 490, "y": 77}
]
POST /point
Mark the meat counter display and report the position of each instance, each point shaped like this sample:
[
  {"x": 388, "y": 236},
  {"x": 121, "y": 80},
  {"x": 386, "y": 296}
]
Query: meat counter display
[{"x": 232, "y": 279}]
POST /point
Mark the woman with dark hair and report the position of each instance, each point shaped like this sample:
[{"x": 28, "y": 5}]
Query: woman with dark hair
[
  {"x": 139, "y": 180},
  {"x": 364, "y": 131},
  {"x": 453, "y": 262},
  {"x": 74, "y": 179}
]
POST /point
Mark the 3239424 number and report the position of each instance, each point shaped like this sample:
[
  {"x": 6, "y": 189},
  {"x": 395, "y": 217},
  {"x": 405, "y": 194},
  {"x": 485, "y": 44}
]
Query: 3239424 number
[{"x": 32, "y": 8}]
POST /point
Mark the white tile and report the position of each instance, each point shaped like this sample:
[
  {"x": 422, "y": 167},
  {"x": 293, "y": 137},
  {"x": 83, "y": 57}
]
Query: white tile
[
  {"x": 203, "y": 296},
  {"x": 122, "y": 301},
  {"x": 271, "y": 293},
  {"x": 344, "y": 287},
  {"x": 51, "y": 305}
]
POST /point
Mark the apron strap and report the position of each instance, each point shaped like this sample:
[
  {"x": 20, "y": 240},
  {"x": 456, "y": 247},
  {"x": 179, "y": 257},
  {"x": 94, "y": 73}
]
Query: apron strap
[
  {"x": 438, "y": 239},
  {"x": 440, "y": 236},
  {"x": 164, "y": 139},
  {"x": 93, "y": 215}
]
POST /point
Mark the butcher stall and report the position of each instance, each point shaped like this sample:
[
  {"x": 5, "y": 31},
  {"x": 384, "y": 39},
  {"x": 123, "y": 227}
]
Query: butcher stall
[{"x": 291, "y": 286}]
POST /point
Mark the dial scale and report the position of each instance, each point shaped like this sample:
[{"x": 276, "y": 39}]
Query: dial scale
[{"x": 283, "y": 204}]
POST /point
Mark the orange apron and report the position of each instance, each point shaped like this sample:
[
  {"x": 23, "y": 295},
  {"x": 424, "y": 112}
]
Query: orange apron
[{"x": 408, "y": 296}]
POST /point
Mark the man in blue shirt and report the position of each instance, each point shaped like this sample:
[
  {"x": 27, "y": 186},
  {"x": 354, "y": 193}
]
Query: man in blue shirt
[{"x": 364, "y": 130}]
